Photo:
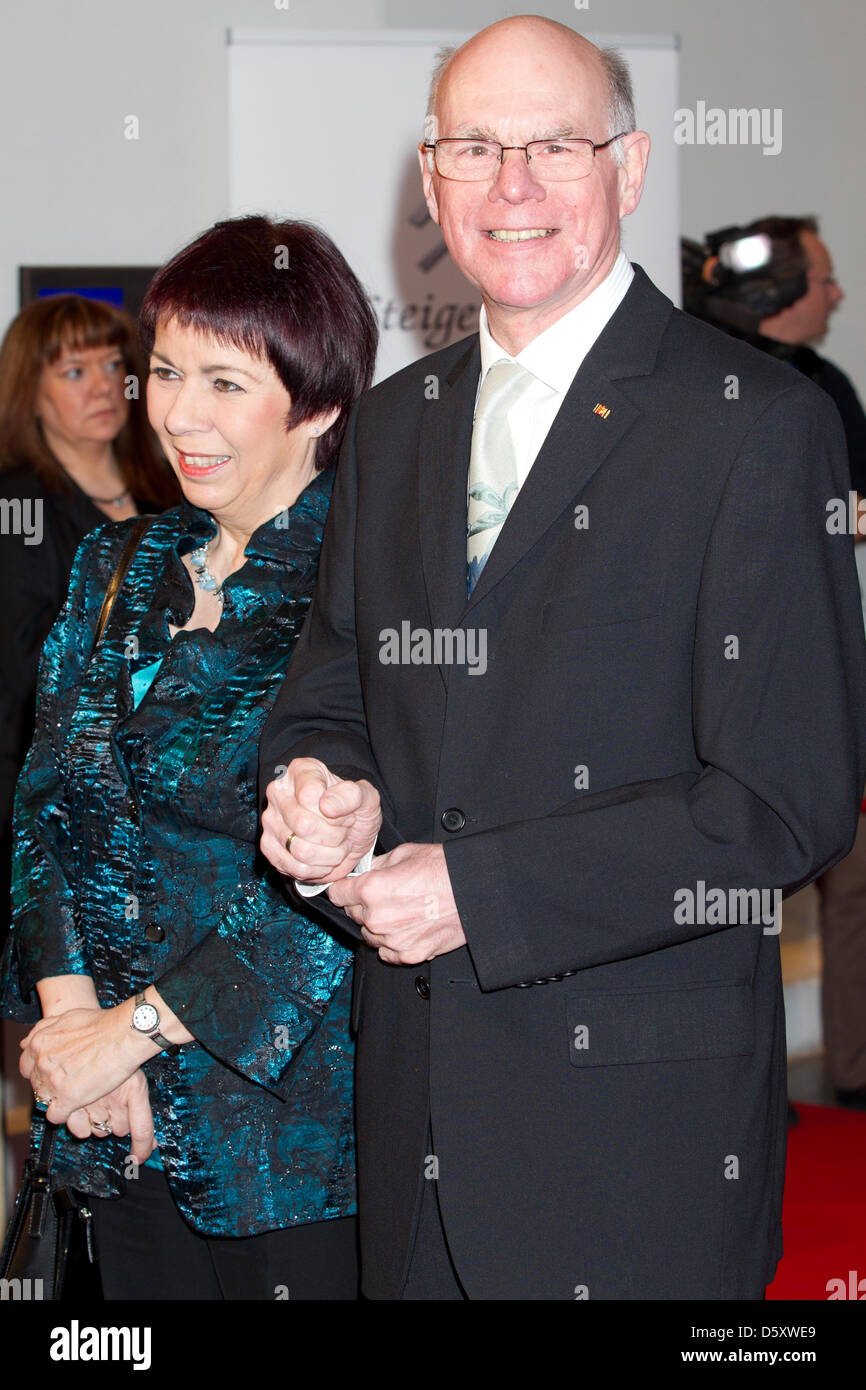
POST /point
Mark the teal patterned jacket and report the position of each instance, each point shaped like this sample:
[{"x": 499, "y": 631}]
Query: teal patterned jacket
[{"x": 136, "y": 863}]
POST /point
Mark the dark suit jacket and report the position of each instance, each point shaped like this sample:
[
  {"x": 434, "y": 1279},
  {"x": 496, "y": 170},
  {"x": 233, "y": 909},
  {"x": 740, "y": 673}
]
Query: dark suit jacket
[{"x": 618, "y": 1133}]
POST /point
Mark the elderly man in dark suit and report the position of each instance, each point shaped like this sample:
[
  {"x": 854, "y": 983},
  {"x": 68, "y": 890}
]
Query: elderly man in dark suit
[{"x": 587, "y": 665}]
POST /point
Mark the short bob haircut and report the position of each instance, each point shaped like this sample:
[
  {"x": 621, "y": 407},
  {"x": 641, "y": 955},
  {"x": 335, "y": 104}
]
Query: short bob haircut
[
  {"x": 39, "y": 336},
  {"x": 284, "y": 293}
]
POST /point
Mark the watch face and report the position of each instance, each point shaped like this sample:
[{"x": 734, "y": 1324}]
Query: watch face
[{"x": 144, "y": 1018}]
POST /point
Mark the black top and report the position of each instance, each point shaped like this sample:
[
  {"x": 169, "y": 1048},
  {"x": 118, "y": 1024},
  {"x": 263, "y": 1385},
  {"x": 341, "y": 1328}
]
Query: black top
[
  {"x": 38, "y": 541},
  {"x": 833, "y": 380}
]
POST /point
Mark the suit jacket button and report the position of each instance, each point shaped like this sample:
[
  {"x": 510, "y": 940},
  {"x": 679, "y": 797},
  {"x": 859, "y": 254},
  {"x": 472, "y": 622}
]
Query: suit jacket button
[
  {"x": 154, "y": 932},
  {"x": 453, "y": 819},
  {"x": 422, "y": 986}
]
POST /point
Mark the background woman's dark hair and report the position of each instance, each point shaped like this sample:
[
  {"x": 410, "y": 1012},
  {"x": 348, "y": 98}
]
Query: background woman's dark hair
[
  {"x": 36, "y": 338},
  {"x": 284, "y": 293}
]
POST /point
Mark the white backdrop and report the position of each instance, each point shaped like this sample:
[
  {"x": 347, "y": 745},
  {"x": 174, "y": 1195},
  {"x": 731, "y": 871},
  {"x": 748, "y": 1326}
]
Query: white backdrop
[{"x": 325, "y": 126}]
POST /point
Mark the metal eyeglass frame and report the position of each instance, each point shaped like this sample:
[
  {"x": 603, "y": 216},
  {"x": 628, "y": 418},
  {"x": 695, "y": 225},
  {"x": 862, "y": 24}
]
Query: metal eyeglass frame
[{"x": 577, "y": 139}]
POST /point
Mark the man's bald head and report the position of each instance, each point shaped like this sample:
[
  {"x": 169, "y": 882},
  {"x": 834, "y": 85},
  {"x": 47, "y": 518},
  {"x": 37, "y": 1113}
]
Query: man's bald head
[
  {"x": 535, "y": 244},
  {"x": 499, "y": 41}
]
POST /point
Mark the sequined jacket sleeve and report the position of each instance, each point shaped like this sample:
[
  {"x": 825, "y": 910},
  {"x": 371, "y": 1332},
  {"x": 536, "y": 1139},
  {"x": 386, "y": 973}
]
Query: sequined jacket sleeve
[
  {"x": 47, "y": 939},
  {"x": 255, "y": 990}
]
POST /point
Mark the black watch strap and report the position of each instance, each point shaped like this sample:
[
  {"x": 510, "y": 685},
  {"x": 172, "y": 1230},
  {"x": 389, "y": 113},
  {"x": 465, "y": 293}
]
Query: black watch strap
[{"x": 171, "y": 1048}]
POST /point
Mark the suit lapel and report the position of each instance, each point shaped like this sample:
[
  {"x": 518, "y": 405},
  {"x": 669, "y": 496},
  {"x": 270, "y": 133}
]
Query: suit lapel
[
  {"x": 443, "y": 467},
  {"x": 579, "y": 440},
  {"x": 576, "y": 446}
]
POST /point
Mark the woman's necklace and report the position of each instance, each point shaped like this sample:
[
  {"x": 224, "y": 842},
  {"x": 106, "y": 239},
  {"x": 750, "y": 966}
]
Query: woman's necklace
[
  {"x": 203, "y": 577},
  {"x": 109, "y": 501},
  {"x": 100, "y": 501}
]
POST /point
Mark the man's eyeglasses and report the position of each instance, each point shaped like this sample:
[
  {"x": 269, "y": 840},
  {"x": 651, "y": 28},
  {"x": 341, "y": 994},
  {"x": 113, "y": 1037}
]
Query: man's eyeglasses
[{"x": 554, "y": 161}]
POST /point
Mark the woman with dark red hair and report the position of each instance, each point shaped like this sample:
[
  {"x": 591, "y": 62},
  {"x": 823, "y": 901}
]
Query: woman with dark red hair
[
  {"x": 184, "y": 1001},
  {"x": 75, "y": 448}
]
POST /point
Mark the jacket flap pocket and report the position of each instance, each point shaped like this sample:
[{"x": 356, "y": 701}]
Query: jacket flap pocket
[{"x": 665, "y": 1025}]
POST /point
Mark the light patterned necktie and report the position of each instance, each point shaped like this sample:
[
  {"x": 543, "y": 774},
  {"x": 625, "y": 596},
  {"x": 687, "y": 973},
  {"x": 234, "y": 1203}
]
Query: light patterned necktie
[{"x": 493, "y": 482}]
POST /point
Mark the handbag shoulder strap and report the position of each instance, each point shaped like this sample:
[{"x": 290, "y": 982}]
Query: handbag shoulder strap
[
  {"x": 132, "y": 543},
  {"x": 45, "y": 1156}
]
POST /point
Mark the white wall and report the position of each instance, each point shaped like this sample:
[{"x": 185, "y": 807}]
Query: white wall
[
  {"x": 75, "y": 190},
  {"x": 70, "y": 72}
]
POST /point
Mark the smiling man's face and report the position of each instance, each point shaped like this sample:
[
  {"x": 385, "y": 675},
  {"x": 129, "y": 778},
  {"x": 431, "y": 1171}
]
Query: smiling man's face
[{"x": 516, "y": 83}]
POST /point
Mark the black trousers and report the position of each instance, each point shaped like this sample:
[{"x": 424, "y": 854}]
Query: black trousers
[{"x": 147, "y": 1251}]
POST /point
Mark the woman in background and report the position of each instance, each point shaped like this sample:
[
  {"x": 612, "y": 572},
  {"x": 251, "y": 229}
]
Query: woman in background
[{"x": 74, "y": 449}]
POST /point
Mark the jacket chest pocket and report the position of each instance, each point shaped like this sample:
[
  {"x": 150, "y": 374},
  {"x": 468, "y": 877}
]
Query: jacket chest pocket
[
  {"x": 666, "y": 1025},
  {"x": 638, "y": 605}
]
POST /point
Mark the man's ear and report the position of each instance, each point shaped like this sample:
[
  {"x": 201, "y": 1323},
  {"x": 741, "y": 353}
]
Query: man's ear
[
  {"x": 425, "y": 159},
  {"x": 631, "y": 174}
]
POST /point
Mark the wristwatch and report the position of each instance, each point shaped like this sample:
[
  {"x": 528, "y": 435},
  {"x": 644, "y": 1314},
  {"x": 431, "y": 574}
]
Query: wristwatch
[{"x": 145, "y": 1019}]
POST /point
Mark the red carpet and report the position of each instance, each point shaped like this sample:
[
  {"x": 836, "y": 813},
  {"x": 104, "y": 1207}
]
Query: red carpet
[{"x": 824, "y": 1216}]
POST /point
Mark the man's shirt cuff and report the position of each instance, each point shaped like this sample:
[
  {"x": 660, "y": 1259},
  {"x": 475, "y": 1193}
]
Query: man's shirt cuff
[{"x": 309, "y": 890}]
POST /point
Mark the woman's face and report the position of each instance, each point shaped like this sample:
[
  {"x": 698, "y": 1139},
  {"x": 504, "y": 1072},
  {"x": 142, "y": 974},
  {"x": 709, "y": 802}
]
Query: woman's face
[
  {"x": 80, "y": 399},
  {"x": 220, "y": 415}
]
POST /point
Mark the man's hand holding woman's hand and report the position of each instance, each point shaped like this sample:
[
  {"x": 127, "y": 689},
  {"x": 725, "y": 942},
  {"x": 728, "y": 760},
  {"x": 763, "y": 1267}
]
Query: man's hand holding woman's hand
[
  {"x": 404, "y": 905},
  {"x": 328, "y": 824}
]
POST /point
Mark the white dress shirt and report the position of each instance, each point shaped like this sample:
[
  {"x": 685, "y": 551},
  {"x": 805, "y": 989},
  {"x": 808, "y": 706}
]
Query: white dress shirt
[{"x": 553, "y": 359}]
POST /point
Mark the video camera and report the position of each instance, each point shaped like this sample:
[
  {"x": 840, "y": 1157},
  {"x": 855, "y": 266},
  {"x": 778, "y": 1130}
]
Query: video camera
[{"x": 741, "y": 275}]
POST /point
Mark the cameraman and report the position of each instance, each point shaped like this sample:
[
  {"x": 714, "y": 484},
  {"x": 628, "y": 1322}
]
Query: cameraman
[
  {"x": 806, "y": 321},
  {"x": 780, "y": 299}
]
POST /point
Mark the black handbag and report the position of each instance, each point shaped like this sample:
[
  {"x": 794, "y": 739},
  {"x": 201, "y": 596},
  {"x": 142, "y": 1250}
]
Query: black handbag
[{"x": 48, "y": 1218}]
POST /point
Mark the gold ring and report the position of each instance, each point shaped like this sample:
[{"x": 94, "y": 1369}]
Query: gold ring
[
  {"x": 41, "y": 1100},
  {"x": 289, "y": 842},
  {"x": 104, "y": 1126}
]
